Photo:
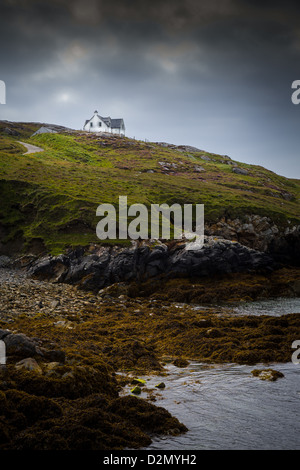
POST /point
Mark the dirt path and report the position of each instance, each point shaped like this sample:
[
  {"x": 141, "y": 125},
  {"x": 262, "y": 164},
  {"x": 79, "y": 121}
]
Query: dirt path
[{"x": 31, "y": 148}]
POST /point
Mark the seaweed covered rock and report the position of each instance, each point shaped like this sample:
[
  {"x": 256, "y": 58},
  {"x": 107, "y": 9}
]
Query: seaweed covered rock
[
  {"x": 148, "y": 417},
  {"x": 29, "y": 364},
  {"x": 34, "y": 408},
  {"x": 267, "y": 374},
  {"x": 180, "y": 362},
  {"x": 129, "y": 354},
  {"x": 75, "y": 406},
  {"x": 70, "y": 381},
  {"x": 95, "y": 422}
]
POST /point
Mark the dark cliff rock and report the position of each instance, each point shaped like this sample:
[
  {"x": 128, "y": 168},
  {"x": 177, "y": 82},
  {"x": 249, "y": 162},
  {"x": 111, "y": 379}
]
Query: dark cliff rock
[
  {"x": 110, "y": 265},
  {"x": 262, "y": 234}
]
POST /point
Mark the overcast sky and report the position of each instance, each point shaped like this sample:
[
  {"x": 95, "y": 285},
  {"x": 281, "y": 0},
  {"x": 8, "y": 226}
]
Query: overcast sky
[{"x": 214, "y": 74}]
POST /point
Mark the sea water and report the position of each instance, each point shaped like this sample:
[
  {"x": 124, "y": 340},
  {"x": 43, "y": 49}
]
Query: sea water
[{"x": 225, "y": 407}]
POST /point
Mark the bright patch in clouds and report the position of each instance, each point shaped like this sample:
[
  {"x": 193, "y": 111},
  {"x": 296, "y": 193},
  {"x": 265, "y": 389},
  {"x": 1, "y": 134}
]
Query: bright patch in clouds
[{"x": 65, "y": 97}]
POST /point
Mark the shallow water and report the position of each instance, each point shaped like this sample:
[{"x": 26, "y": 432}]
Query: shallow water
[
  {"x": 225, "y": 407},
  {"x": 273, "y": 307}
]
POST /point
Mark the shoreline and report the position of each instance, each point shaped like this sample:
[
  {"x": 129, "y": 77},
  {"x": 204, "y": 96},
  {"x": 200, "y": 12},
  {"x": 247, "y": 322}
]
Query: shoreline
[{"x": 81, "y": 341}]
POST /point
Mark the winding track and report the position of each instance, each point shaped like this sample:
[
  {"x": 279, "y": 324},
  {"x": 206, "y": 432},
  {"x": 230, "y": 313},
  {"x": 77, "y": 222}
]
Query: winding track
[{"x": 31, "y": 148}]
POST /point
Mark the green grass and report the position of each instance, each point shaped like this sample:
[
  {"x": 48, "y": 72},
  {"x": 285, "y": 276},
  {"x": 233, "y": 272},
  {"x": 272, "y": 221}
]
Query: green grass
[{"x": 53, "y": 195}]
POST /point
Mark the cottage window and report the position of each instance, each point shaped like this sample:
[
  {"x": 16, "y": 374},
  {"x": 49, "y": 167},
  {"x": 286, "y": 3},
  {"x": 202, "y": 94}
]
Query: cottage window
[
  {"x": 91, "y": 125},
  {"x": 100, "y": 123}
]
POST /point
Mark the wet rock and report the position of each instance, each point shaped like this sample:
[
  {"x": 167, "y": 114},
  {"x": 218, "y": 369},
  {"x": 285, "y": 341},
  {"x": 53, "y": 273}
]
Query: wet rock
[
  {"x": 296, "y": 287},
  {"x": 140, "y": 382},
  {"x": 29, "y": 364},
  {"x": 160, "y": 385},
  {"x": 213, "y": 333},
  {"x": 4, "y": 333},
  {"x": 68, "y": 375},
  {"x": 50, "y": 368},
  {"x": 136, "y": 390},
  {"x": 179, "y": 362},
  {"x": 267, "y": 374},
  {"x": 63, "y": 324},
  {"x": 49, "y": 268},
  {"x": 20, "y": 345},
  {"x": 94, "y": 272},
  {"x": 54, "y": 355}
]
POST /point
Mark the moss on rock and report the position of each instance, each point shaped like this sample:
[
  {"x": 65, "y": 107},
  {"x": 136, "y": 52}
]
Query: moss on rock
[{"x": 267, "y": 374}]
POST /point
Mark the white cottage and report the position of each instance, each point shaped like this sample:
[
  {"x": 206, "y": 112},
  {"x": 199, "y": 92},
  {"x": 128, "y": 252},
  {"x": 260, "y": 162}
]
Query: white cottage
[{"x": 104, "y": 124}]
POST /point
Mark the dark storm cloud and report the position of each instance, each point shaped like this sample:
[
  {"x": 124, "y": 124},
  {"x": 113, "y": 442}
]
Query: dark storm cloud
[
  {"x": 215, "y": 74},
  {"x": 35, "y": 31}
]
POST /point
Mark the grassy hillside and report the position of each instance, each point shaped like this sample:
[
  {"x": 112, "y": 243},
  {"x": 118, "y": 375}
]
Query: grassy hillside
[{"x": 50, "y": 198}]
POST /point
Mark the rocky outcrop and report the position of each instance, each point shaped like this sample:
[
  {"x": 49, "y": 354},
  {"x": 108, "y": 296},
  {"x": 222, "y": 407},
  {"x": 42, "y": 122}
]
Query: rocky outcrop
[
  {"x": 108, "y": 265},
  {"x": 262, "y": 234},
  {"x": 240, "y": 171}
]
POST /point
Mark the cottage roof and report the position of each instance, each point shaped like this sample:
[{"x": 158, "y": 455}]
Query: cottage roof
[
  {"x": 107, "y": 120},
  {"x": 117, "y": 123}
]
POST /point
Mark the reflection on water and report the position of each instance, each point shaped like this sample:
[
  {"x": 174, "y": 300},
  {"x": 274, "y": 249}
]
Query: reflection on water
[
  {"x": 273, "y": 307},
  {"x": 225, "y": 407}
]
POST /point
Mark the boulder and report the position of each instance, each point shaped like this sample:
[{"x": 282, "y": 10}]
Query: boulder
[
  {"x": 199, "y": 168},
  {"x": 20, "y": 345},
  {"x": 10, "y": 131},
  {"x": 4, "y": 333},
  {"x": 180, "y": 362},
  {"x": 29, "y": 364},
  {"x": 136, "y": 390},
  {"x": 160, "y": 385},
  {"x": 140, "y": 382},
  {"x": 267, "y": 374},
  {"x": 240, "y": 171}
]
